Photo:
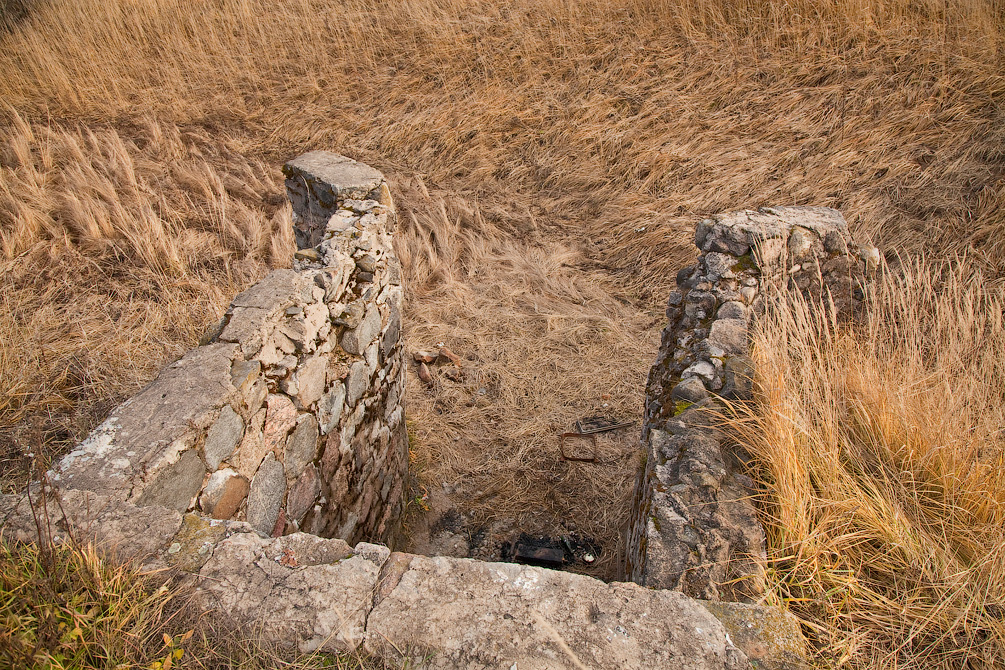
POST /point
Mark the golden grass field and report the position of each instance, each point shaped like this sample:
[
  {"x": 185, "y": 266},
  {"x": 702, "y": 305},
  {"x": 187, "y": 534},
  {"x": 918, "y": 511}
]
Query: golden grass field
[{"x": 549, "y": 159}]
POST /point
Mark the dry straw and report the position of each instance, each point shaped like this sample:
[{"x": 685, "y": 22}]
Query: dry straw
[{"x": 880, "y": 453}]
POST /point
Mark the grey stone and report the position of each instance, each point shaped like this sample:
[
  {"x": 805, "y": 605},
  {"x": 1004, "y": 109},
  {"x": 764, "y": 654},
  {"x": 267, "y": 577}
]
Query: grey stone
[
  {"x": 223, "y": 437},
  {"x": 310, "y": 381},
  {"x": 730, "y": 335},
  {"x": 689, "y": 390},
  {"x": 769, "y": 636},
  {"x": 719, "y": 266},
  {"x": 175, "y": 485},
  {"x": 302, "y": 494},
  {"x": 800, "y": 244},
  {"x": 346, "y": 178},
  {"x": 356, "y": 340},
  {"x": 392, "y": 333},
  {"x": 266, "y": 495},
  {"x": 356, "y": 383},
  {"x": 352, "y": 315},
  {"x": 367, "y": 263},
  {"x": 125, "y": 531},
  {"x": 501, "y": 615},
  {"x": 732, "y": 310},
  {"x": 317, "y": 182},
  {"x": 834, "y": 243},
  {"x": 330, "y": 407},
  {"x": 277, "y": 291},
  {"x": 318, "y": 605},
  {"x": 301, "y": 446},
  {"x": 701, "y": 369},
  {"x": 738, "y": 378}
]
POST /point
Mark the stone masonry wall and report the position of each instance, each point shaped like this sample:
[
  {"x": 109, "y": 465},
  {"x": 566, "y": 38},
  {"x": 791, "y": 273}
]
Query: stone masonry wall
[
  {"x": 694, "y": 528},
  {"x": 290, "y": 416}
]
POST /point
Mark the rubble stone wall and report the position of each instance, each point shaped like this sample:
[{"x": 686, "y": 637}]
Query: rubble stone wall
[
  {"x": 694, "y": 528},
  {"x": 290, "y": 415}
]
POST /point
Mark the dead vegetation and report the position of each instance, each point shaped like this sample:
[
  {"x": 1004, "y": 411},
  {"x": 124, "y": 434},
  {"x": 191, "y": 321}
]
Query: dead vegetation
[
  {"x": 550, "y": 160},
  {"x": 881, "y": 455}
]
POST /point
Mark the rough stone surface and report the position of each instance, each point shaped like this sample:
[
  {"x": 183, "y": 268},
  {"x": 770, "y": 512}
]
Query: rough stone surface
[
  {"x": 770, "y": 637},
  {"x": 266, "y": 495},
  {"x": 223, "y": 437},
  {"x": 303, "y": 493},
  {"x": 311, "y": 381},
  {"x": 150, "y": 430},
  {"x": 468, "y": 614},
  {"x": 302, "y": 446},
  {"x": 693, "y": 528},
  {"x": 176, "y": 485},
  {"x": 356, "y": 341},
  {"x": 280, "y": 418},
  {"x": 223, "y": 494},
  {"x": 311, "y": 605}
]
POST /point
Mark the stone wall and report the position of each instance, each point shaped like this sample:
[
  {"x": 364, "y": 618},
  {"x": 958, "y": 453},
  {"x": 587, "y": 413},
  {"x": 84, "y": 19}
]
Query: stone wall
[
  {"x": 290, "y": 414},
  {"x": 289, "y": 417},
  {"x": 694, "y": 528}
]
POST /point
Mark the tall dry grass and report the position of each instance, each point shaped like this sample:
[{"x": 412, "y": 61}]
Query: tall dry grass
[{"x": 882, "y": 457}]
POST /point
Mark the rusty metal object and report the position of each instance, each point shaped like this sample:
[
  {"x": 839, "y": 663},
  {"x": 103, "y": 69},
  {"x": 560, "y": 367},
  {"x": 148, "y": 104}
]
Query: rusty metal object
[
  {"x": 567, "y": 440},
  {"x": 542, "y": 555},
  {"x": 569, "y": 454},
  {"x": 603, "y": 428}
]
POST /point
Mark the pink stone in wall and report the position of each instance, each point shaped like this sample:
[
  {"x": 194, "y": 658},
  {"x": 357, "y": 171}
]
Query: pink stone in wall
[
  {"x": 252, "y": 450},
  {"x": 280, "y": 418}
]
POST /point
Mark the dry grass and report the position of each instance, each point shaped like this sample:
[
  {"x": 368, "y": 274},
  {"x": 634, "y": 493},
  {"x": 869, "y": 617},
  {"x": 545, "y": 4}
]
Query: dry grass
[
  {"x": 66, "y": 607},
  {"x": 568, "y": 149},
  {"x": 882, "y": 457}
]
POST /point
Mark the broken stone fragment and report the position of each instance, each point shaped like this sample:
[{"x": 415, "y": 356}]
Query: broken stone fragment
[
  {"x": 730, "y": 335},
  {"x": 330, "y": 407},
  {"x": 310, "y": 254},
  {"x": 367, "y": 263},
  {"x": 689, "y": 390},
  {"x": 738, "y": 374},
  {"x": 800, "y": 244},
  {"x": 308, "y": 382},
  {"x": 252, "y": 449},
  {"x": 223, "y": 437},
  {"x": 279, "y": 419},
  {"x": 265, "y": 497},
  {"x": 424, "y": 356},
  {"x": 700, "y": 369},
  {"x": 356, "y": 382},
  {"x": 352, "y": 315},
  {"x": 732, "y": 310},
  {"x": 223, "y": 494}
]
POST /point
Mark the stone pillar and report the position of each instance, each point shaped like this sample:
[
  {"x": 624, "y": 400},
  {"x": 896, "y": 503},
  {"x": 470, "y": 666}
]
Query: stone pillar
[{"x": 318, "y": 182}]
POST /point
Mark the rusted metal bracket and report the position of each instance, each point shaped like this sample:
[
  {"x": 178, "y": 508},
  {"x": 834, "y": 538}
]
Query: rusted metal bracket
[
  {"x": 569, "y": 454},
  {"x": 566, "y": 440}
]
